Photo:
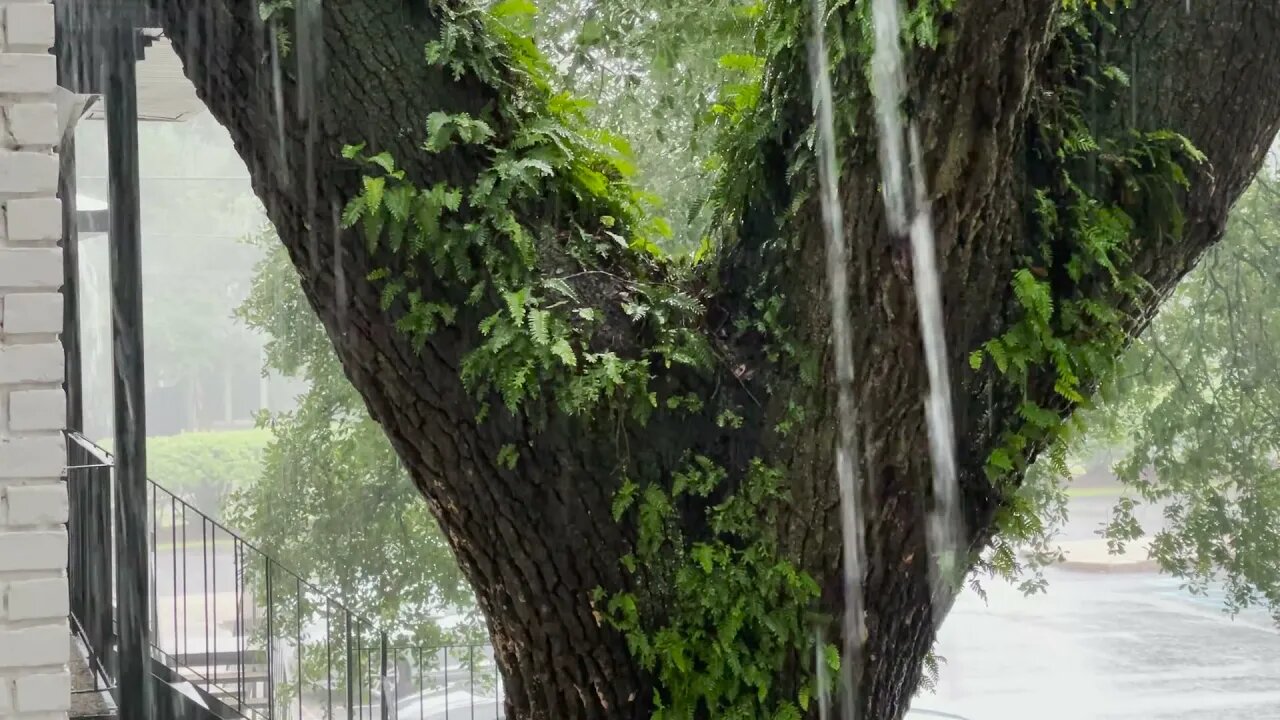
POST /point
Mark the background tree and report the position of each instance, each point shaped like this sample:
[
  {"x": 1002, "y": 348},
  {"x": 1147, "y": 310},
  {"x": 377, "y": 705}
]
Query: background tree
[
  {"x": 330, "y": 480},
  {"x": 631, "y": 455},
  {"x": 1198, "y": 411}
]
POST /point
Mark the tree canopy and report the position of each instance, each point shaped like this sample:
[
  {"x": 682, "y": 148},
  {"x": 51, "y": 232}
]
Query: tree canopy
[{"x": 629, "y": 451}]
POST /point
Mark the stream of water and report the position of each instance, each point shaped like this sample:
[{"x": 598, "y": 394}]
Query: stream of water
[
  {"x": 846, "y": 449},
  {"x": 907, "y": 213}
]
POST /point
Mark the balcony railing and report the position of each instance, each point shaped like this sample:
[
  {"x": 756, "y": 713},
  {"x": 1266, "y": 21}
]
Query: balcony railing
[{"x": 247, "y": 634}]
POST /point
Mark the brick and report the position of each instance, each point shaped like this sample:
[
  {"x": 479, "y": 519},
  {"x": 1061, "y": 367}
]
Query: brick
[
  {"x": 31, "y": 363},
  {"x": 30, "y": 647},
  {"x": 31, "y": 73},
  {"x": 37, "y": 409},
  {"x": 31, "y": 268},
  {"x": 27, "y": 172},
  {"x": 29, "y": 26},
  {"x": 32, "y": 550},
  {"x": 34, "y": 219},
  {"x": 6, "y": 696},
  {"x": 34, "y": 599},
  {"x": 37, "y": 504},
  {"x": 34, "y": 456},
  {"x": 47, "y": 691},
  {"x": 33, "y": 124},
  {"x": 32, "y": 313}
]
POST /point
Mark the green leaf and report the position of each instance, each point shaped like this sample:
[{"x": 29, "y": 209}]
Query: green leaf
[
  {"x": 516, "y": 302},
  {"x": 384, "y": 161},
  {"x": 398, "y": 199},
  {"x": 623, "y": 499},
  {"x": 832, "y": 656},
  {"x": 538, "y": 326},
  {"x": 439, "y": 131},
  {"x": 509, "y": 8},
  {"x": 564, "y": 351},
  {"x": 1000, "y": 459},
  {"x": 561, "y": 287},
  {"x": 373, "y": 187},
  {"x": 353, "y": 211},
  {"x": 594, "y": 182},
  {"x": 508, "y": 456},
  {"x": 741, "y": 62}
]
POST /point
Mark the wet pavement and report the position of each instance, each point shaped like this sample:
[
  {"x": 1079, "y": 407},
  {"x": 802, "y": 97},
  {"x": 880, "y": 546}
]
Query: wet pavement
[{"x": 1130, "y": 645}]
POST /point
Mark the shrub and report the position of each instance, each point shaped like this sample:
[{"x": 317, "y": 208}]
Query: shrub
[{"x": 203, "y": 468}]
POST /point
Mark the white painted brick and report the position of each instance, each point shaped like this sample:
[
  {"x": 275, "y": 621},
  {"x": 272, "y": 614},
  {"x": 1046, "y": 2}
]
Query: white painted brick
[
  {"x": 32, "y": 313},
  {"x": 27, "y": 172},
  {"x": 29, "y": 25},
  {"x": 6, "y": 696},
  {"x": 31, "y": 268},
  {"x": 34, "y": 124},
  {"x": 32, "y": 456},
  {"x": 37, "y": 409},
  {"x": 34, "y": 73},
  {"x": 34, "y": 599},
  {"x": 51, "y": 691},
  {"x": 30, "y": 647},
  {"x": 31, "y": 363},
  {"x": 34, "y": 219},
  {"x": 32, "y": 550},
  {"x": 37, "y": 504}
]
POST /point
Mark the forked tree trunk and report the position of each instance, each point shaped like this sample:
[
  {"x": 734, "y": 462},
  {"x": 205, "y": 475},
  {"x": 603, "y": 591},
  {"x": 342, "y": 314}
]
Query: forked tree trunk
[{"x": 535, "y": 541}]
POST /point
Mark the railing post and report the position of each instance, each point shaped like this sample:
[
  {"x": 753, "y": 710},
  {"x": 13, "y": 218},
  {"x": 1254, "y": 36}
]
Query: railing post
[
  {"x": 351, "y": 673},
  {"x": 271, "y": 642},
  {"x": 386, "y": 708}
]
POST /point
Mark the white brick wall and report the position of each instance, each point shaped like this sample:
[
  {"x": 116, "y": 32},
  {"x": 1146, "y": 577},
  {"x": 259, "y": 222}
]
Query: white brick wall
[{"x": 34, "y": 635}]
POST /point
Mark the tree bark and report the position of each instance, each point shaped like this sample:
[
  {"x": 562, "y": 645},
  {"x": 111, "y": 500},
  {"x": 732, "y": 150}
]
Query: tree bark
[{"x": 535, "y": 541}]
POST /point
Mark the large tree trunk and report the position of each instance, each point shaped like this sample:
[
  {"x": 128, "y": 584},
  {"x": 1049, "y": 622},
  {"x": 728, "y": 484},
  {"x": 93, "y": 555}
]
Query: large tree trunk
[{"x": 535, "y": 541}]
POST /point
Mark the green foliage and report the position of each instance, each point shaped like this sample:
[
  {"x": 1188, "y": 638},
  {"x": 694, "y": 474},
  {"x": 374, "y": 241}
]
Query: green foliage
[
  {"x": 329, "y": 479},
  {"x": 1197, "y": 410},
  {"x": 205, "y": 468},
  {"x": 1106, "y": 193},
  {"x": 718, "y": 618},
  {"x": 537, "y": 334}
]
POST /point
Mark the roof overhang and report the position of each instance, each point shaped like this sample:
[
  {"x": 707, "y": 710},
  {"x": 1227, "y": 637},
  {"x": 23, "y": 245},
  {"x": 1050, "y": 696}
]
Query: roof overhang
[{"x": 164, "y": 93}]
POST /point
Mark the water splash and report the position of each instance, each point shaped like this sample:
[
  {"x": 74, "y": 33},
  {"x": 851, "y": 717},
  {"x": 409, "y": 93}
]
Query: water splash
[
  {"x": 277, "y": 92},
  {"x": 907, "y": 210},
  {"x": 820, "y": 670},
  {"x": 851, "y": 523}
]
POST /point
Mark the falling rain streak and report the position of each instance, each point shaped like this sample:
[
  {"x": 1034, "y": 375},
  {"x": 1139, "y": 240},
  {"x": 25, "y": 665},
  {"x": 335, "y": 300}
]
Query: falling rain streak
[
  {"x": 851, "y": 523},
  {"x": 907, "y": 210}
]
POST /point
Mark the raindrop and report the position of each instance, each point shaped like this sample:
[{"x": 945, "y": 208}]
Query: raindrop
[
  {"x": 907, "y": 208},
  {"x": 851, "y": 523}
]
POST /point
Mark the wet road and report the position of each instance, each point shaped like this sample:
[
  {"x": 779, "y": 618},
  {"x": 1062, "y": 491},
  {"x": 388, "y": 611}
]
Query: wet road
[{"x": 1129, "y": 645}]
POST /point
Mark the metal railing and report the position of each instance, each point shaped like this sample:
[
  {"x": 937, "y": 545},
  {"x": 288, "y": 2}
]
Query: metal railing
[{"x": 248, "y": 633}]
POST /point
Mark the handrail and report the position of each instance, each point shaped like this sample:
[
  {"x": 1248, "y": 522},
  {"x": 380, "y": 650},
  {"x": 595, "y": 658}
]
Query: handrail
[
  {"x": 107, "y": 458},
  {"x": 288, "y": 648},
  {"x": 256, "y": 665}
]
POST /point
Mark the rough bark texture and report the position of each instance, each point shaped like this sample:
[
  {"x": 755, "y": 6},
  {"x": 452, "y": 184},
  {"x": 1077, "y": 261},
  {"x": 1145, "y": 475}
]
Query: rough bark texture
[{"x": 534, "y": 542}]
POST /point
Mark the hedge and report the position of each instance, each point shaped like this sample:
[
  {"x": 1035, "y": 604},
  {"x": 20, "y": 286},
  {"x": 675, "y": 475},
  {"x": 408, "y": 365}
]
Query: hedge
[{"x": 203, "y": 468}]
